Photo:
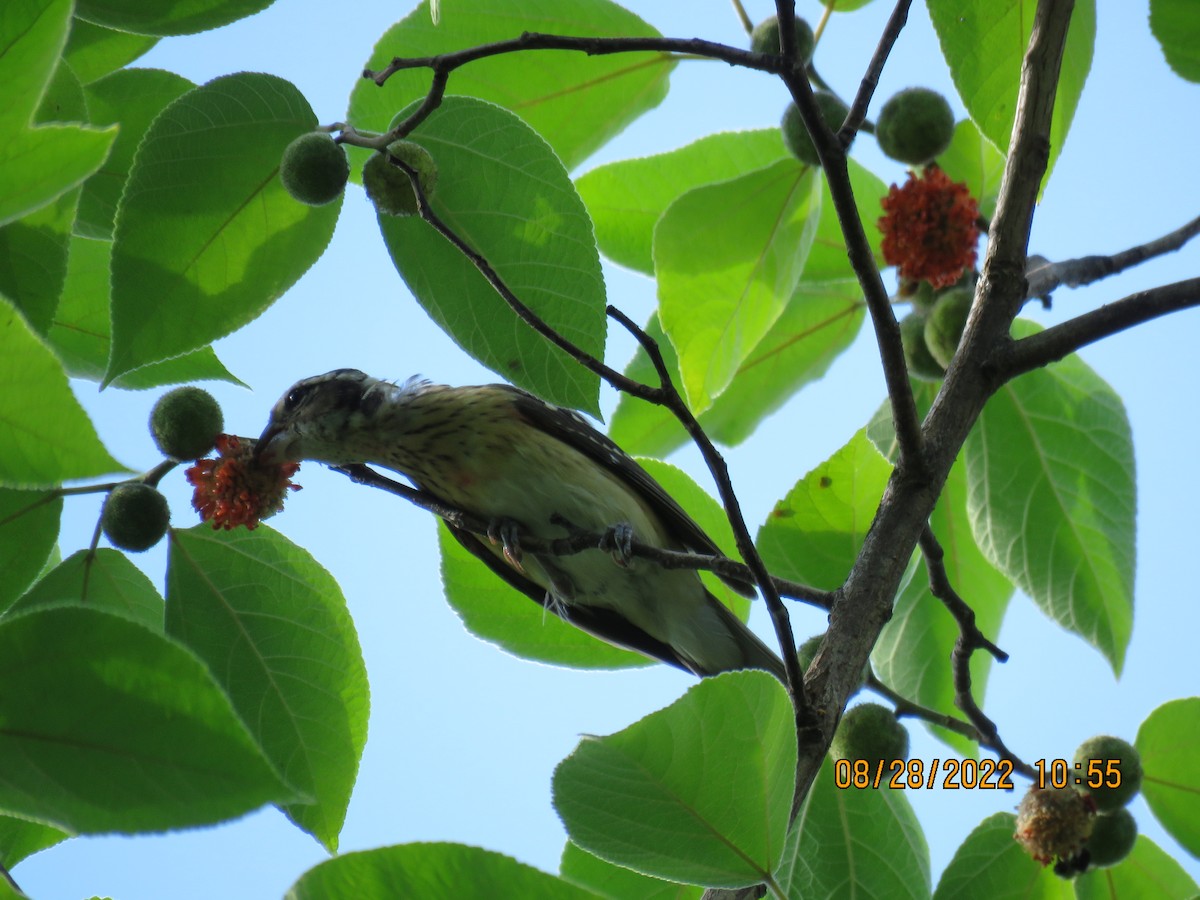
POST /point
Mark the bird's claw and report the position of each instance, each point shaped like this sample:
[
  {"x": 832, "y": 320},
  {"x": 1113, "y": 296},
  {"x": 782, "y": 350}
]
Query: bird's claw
[
  {"x": 507, "y": 534},
  {"x": 618, "y": 540}
]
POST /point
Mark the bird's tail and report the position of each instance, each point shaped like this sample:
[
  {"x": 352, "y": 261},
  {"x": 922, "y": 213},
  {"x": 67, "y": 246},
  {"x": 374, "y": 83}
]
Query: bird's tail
[{"x": 751, "y": 652}]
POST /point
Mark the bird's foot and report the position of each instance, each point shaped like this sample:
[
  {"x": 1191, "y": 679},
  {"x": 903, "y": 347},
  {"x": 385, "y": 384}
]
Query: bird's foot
[
  {"x": 507, "y": 533},
  {"x": 618, "y": 540}
]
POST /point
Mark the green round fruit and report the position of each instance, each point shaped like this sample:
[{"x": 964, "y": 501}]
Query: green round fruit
[
  {"x": 765, "y": 38},
  {"x": 795, "y": 135},
  {"x": 945, "y": 323},
  {"x": 915, "y": 126},
  {"x": 872, "y": 732},
  {"x": 921, "y": 364},
  {"x": 1112, "y": 839},
  {"x": 314, "y": 169},
  {"x": 135, "y": 516},
  {"x": 922, "y": 296},
  {"x": 1053, "y": 823},
  {"x": 389, "y": 187},
  {"x": 1115, "y": 764},
  {"x": 185, "y": 423}
]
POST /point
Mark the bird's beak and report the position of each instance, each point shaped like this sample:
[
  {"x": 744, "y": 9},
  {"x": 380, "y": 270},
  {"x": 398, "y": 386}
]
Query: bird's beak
[{"x": 269, "y": 450}]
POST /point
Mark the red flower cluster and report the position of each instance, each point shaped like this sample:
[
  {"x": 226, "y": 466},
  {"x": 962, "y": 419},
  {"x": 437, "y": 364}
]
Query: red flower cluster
[
  {"x": 234, "y": 489},
  {"x": 930, "y": 228}
]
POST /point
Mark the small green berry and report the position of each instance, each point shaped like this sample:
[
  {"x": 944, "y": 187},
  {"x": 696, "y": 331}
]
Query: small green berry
[
  {"x": 915, "y": 126},
  {"x": 765, "y": 38},
  {"x": 872, "y": 732},
  {"x": 795, "y": 135},
  {"x": 921, "y": 364},
  {"x": 807, "y": 652},
  {"x": 135, "y": 516},
  {"x": 185, "y": 423},
  {"x": 945, "y": 323},
  {"x": 314, "y": 169},
  {"x": 1112, "y": 839},
  {"x": 1115, "y": 765},
  {"x": 389, "y": 187}
]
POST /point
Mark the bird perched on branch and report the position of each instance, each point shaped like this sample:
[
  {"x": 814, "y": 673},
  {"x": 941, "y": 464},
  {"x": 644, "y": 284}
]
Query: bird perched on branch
[{"x": 528, "y": 467}]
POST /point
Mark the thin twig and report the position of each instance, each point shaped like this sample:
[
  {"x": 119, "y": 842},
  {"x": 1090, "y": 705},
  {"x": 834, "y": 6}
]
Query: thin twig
[
  {"x": 870, "y": 80},
  {"x": 580, "y": 540},
  {"x": 970, "y": 639},
  {"x": 592, "y": 46},
  {"x": 1087, "y": 269},
  {"x": 831, "y": 152},
  {"x": 742, "y": 16}
]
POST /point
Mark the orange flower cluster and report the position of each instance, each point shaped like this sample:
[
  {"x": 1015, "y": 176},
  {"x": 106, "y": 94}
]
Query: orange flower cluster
[
  {"x": 930, "y": 228},
  {"x": 234, "y": 490}
]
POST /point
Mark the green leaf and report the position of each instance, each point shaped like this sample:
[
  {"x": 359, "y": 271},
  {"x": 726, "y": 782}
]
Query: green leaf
[
  {"x": 548, "y": 89},
  {"x": 20, "y": 838},
  {"x": 35, "y": 251},
  {"x": 109, "y": 583},
  {"x": 93, "y": 51},
  {"x": 206, "y": 237},
  {"x": 131, "y": 98},
  {"x": 627, "y": 198},
  {"x": 80, "y": 333},
  {"x": 1177, "y": 28},
  {"x": 38, "y": 164},
  {"x": 28, "y": 530},
  {"x": 63, "y": 99},
  {"x": 51, "y": 439},
  {"x": 973, "y": 160},
  {"x": 854, "y": 843},
  {"x": 814, "y": 533},
  {"x": 502, "y": 615},
  {"x": 846, "y": 5},
  {"x": 984, "y": 43},
  {"x": 503, "y": 190},
  {"x": 1147, "y": 873},
  {"x": 920, "y": 628},
  {"x": 697, "y": 792},
  {"x": 728, "y": 258},
  {"x": 617, "y": 883},
  {"x": 431, "y": 872},
  {"x": 989, "y": 863},
  {"x": 107, "y": 726},
  {"x": 1052, "y": 497},
  {"x": 820, "y": 320},
  {"x": 273, "y": 627},
  {"x": 167, "y": 16},
  {"x": 1167, "y": 742}
]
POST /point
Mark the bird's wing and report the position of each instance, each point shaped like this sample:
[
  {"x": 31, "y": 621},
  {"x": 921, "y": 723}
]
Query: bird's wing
[
  {"x": 603, "y": 623},
  {"x": 575, "y": 431}
]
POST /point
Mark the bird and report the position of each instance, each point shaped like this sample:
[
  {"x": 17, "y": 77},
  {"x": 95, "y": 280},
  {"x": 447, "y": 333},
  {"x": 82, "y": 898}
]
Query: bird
[{"x": 529, "y": 467}]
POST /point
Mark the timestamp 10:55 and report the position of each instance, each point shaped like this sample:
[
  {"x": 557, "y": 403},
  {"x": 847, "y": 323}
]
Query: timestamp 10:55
[{"x": 1092, "y": 773}]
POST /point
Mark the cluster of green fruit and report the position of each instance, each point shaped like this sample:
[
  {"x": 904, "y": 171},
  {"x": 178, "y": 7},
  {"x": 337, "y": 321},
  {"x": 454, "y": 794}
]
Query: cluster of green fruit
[
  {"x": 1089, "y": 826},
  {"x": 931, "y": 332},
  {"x": 185, "y": 423},
  {"x": 914, "y": 126},
  {"x": 314, "y": 170}
]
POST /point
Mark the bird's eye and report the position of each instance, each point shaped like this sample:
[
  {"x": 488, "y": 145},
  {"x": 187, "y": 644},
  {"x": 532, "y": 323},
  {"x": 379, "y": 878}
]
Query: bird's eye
[{"x": 295, "y": 397}]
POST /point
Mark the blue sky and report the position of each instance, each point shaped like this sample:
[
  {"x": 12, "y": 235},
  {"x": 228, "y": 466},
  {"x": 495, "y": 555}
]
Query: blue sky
[{"x": 463, "y": 738}]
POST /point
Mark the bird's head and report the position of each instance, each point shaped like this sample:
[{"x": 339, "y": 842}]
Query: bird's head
[{"x": 322, "y": 418}]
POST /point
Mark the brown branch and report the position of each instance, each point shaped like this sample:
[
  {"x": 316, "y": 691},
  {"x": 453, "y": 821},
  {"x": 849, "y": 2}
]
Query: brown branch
[
  {"x": 580, "y": 540},
  {"x": 592, "y": 46},
  {"x": 1087, "y": 269},
  {"x": 1015, "y": 358}
]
